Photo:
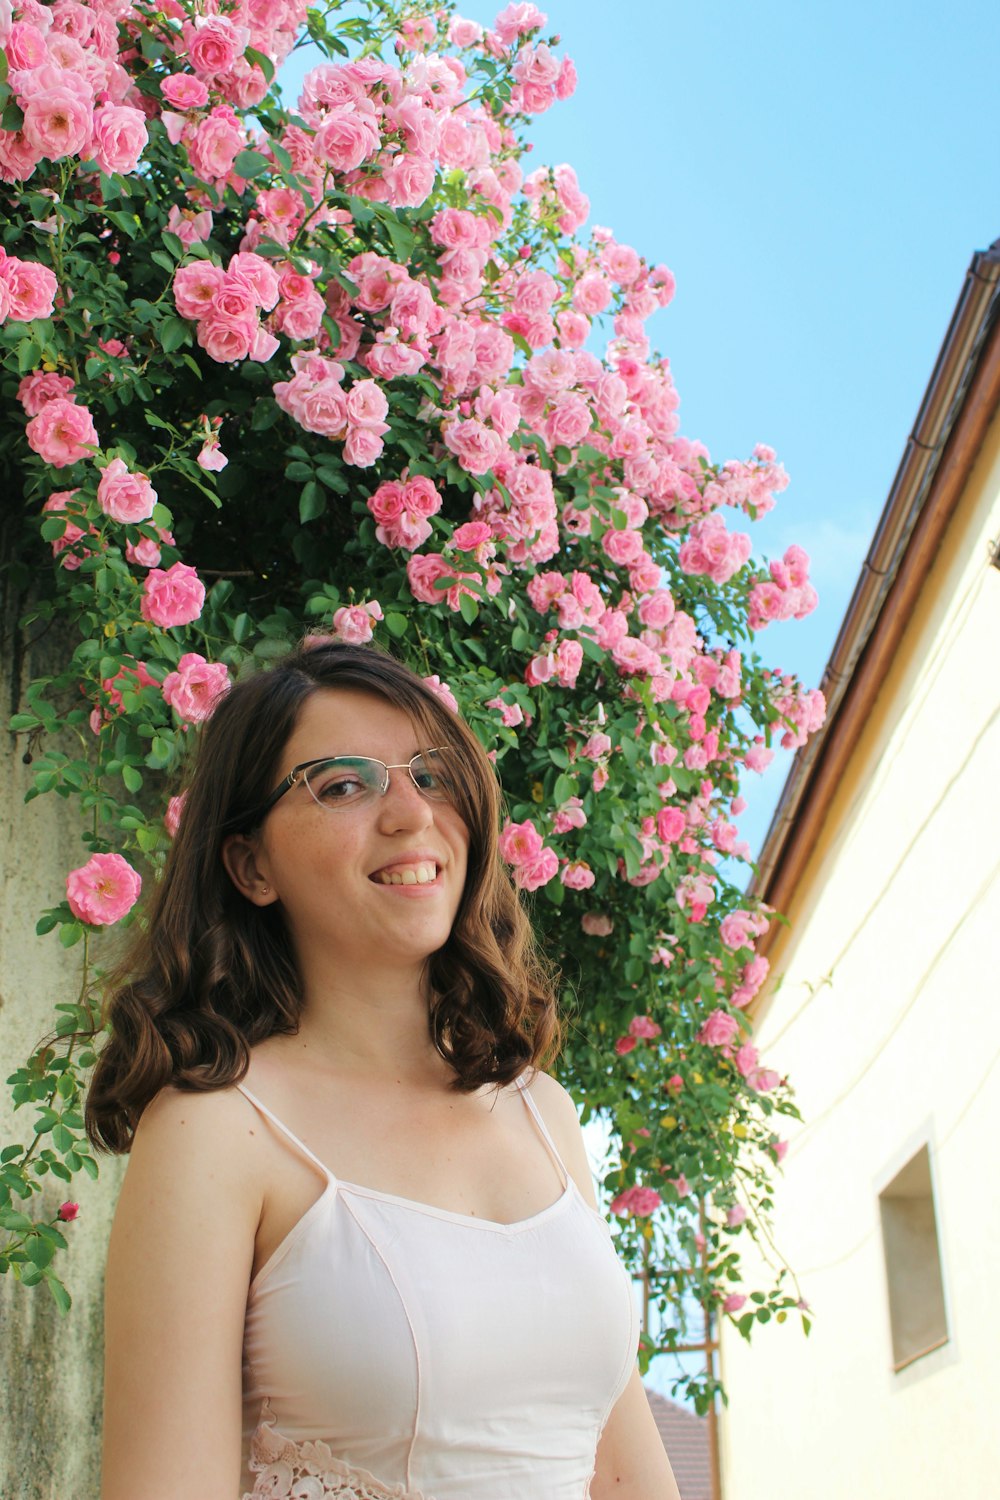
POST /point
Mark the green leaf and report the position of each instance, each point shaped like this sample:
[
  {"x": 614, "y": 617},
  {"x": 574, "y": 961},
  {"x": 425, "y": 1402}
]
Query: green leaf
[
  {"x": 312, "y": 501},
  {"x": 132, "y": 778},
  {"x": 263, "y": 62},
  {"x": 396, "y": 624},
  {"x": 173, "y": 333},
  {"x": 251, "y": 164},
  {"x": 469, "y": 609},
  {"x": 12, "y": 118},
  {"x": 60, "y": 1295},
  {"x": 563, "y": 788}
]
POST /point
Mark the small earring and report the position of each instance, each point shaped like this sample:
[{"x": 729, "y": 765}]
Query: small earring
[{"x": 264, "y": 890}]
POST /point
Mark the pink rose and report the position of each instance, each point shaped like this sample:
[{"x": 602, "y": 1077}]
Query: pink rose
[
  {"x": 323, "y": 410},
  {"x": 423, "y": 573},
  {"x": 35, "y": 390},
  {"x": 195, "y": 688},
  {"x": 367, "y": 405},
  {"x": 443, "y": 691},
  {"x": 624, "y": 1045},
  {"x": 644, "y": 1027},
  {"x": 410, "y": 179},
  {"x": 568, "y": 422},
  {"x": 476, "y": 447},
  {"x": 736, "y": 1216},
  {"x": 62, "y": 433},
  {"x": 570, "y": 815},
  {"x": 719, "y": 1029},
  {"x": 31, "y": 288},
  {"x": 592, "y": 294},
  {"x": 639, "y": 1201},
  {"x": 103, "y": 890},
  {"x": 226, "y": 340},
  {"x": 670, "y": 824},
  {"x": 57, "y": 119},
  {"x": 123, "y": 496},
  {"x": 68, "y": 1212},
  {"x": 119, "y": 137},
  {"x": 195, "y": 286},
  {"x": 353, "y": 623},
  {"x": 577, "y": 875},
  {"x": 733, "y": 1302},
  {"x": 345, "y": 139},
  {"x": 536, "y": 872},
  {"x": 211, "y": 457},
  {"x": 172, "y": 816},
  {"x": 216, "y": 144},
  {"x": 214, "y": 43},
  {"x": 597, "y": 924},
  {"x": 520, "y": 842},
  {"x": 172, "y": 596},
  {"x": 183, "y": 91},
  {"x": 362, "y": 447}
]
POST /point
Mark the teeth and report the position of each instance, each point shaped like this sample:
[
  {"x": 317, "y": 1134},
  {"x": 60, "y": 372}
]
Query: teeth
[{"x": 410, "y": 875}]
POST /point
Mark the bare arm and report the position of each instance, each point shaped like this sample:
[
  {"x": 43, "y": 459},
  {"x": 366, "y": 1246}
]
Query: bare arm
[
  {"x": 631, "y": 1461},
  {"x": 179, "y": 1267}
]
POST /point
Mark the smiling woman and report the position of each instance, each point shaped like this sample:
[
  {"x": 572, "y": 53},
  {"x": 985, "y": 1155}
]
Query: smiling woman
[{"x": 356, "y": 1208}]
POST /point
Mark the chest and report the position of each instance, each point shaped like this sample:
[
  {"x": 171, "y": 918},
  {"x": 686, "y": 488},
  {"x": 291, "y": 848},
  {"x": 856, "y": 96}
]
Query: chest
[{"x": 481, "y": 1157}]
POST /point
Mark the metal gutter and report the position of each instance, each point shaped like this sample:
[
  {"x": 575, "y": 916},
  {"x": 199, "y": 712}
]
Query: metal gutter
[{"x": 974, "y": 330}]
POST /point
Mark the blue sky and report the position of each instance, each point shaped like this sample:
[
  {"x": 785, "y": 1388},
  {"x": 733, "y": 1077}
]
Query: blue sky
[{"x": 818, "y": 178}]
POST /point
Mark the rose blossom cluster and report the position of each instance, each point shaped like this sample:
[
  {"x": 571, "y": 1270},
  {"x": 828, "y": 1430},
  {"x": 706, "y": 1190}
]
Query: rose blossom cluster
[
  {"x": 402, "y": 509},
  {"x": 316, "y": 399},
  {"x": 534, "y": 864},
  {"x": 226, "y": 305},
  {"x": 638, "y": 1201},
  {"x": 641, "y": 1029},
  {"x": 804, "y": 710},
  {"x": 71, "y": 88},
  {"x": 786, "y": 594}
]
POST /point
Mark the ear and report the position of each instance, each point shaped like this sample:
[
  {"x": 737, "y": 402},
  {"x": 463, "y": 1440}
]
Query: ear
[{"x": 246, "y": 867}]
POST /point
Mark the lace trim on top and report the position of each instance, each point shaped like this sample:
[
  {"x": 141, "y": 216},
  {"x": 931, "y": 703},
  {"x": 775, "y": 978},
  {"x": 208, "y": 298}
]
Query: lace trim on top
[{"x": 287, "y": 1470}]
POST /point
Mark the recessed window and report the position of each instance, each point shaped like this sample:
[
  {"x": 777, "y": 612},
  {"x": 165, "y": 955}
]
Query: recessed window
[{"x": 913, "y": 1263}]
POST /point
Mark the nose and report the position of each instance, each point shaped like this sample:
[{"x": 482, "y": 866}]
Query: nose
[{"x": 402, "y": 805}]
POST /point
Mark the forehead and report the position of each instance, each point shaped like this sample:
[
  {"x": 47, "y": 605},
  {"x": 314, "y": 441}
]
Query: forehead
[{"x": 348, "y": 721}]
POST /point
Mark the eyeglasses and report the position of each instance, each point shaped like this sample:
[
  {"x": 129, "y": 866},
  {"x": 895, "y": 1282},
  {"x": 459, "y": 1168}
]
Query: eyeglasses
[{"x": 351, "y": 780}]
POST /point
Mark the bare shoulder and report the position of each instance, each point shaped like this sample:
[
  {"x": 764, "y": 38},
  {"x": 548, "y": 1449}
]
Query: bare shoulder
[
  {"x": 184, "y": 1126},
  {"x": 194, "y": 1151},
  {"x": 557, "y": 1109}
]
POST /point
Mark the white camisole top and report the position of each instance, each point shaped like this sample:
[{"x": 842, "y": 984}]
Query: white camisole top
[{"x": 397, "y": 1351}]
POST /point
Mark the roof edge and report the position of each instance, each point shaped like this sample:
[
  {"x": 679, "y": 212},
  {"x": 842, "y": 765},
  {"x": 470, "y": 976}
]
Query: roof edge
[{"x": 971, "y": 349}]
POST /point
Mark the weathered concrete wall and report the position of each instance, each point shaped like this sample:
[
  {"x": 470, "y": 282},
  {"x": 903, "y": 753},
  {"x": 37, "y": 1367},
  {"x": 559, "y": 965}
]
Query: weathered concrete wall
[{"x": 50, "y": 1364}]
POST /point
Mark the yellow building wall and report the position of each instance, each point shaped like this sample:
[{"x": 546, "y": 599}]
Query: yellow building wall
[{"x": 887, "y": 1020}]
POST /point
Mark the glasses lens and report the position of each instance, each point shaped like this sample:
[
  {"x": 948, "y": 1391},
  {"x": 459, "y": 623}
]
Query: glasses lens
[
  {"x": 345, "y": 781},
  {"x": 433, "y": 775}
]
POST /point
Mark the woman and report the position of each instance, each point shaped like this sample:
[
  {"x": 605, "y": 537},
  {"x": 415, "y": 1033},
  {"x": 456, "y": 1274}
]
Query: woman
[{"x": 346, "y": 1229}]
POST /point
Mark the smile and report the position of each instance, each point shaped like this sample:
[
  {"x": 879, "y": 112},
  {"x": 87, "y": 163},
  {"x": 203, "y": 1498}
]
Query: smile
[{"x": 421, "y": 874}]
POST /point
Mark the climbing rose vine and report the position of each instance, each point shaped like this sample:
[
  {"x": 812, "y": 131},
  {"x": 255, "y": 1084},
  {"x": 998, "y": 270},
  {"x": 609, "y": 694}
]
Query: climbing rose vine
[{"x": 342, "y": 367}]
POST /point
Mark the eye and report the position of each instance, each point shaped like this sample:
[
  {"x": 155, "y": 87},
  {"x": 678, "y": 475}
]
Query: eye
[
  {"x": 337, "y": 784},
  {"x": 431, "y": 775}
]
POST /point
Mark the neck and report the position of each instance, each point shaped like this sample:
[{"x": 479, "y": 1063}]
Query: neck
[{"x": 373, "y": 1024}]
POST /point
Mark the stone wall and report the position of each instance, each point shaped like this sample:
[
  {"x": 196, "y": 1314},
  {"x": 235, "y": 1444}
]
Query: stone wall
[{"x": 50, "y": 1363}]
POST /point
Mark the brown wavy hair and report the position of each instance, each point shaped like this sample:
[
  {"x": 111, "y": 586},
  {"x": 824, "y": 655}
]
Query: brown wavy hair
[{"x": 210, "y": 974}]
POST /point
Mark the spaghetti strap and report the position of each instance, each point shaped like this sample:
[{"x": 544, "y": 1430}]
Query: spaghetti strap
[
  {"x": 263, "y": 1109},
  {"x": 535, "y": 1112}
]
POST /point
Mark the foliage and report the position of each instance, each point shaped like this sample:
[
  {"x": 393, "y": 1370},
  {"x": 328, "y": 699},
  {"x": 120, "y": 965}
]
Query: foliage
[{"x": 366, "y": 306}]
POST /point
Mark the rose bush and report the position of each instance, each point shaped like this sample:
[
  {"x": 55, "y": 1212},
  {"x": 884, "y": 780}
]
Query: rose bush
[{"x": 333, "y": 368}]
